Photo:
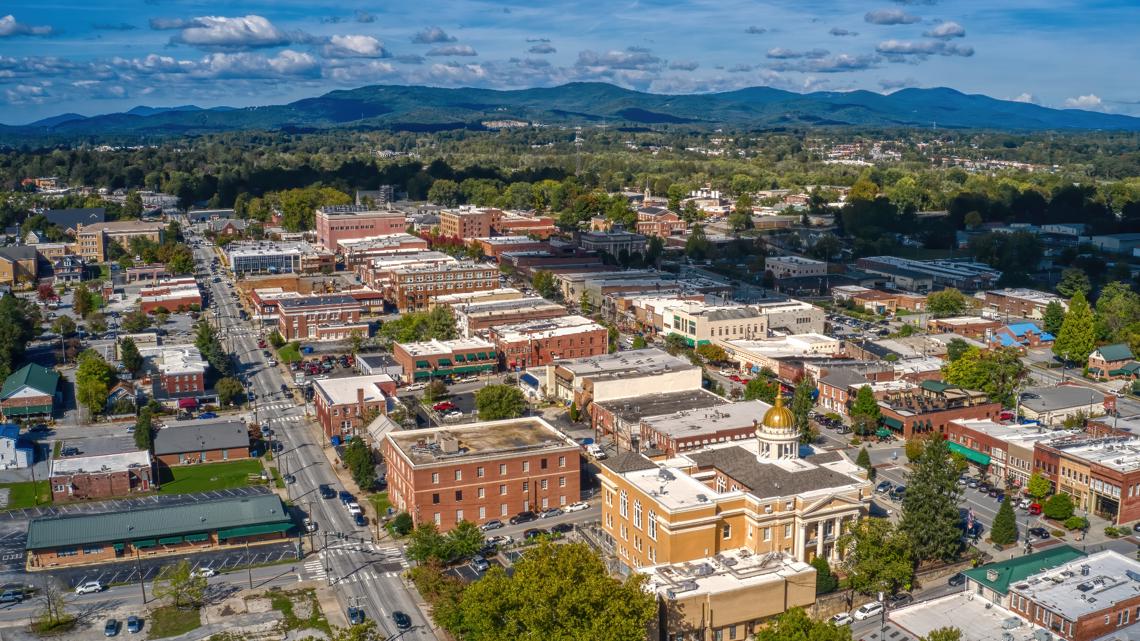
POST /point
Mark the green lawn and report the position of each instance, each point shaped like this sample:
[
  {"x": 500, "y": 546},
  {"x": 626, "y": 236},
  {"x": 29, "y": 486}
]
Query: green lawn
[
  {"x": 21, "y": 495},
  {"x": 213, "y": 476},
  {"x": 169, "y": 621},
  {"x": 380, "y": 502},
  {"x": 278, "y": 482},
  {"x": 289, "y": 353}
]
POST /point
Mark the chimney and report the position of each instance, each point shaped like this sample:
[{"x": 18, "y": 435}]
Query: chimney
[{"x": 360, "y": 401}]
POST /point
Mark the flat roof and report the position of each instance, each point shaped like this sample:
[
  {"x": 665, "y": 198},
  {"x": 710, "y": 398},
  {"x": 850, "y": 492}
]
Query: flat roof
[
  {"x": 1118, "y": 453},
  {"x": 155, "y": 522},
  {"x": 342, "y": 391},
  {"x": 490, "y": 439},
  {"x": 443, "y": 266},
  {"x": 964, "y": 320},
  {"x": 640, "y": 360},
  {"x": 1008, "y": 433},
  {"x": 547, "y": 328},
  {"x": 1024, "y": 293},
  {"x": 1084, "y": 586},
  {"x": 268, "y": 248},
  {"x": 117, "y": 462},
  {"x": 473, "y": 298},
  {"x": 1057, "y": 397},
  {"x": 728, "y": 571},
  {"x": 198, "y": 435},
  {"x": 977, "y": 619},
  {"x": 438, "y": 347},
  {"x": 492, "y": 307},
  {"x": 709, "y": 420},
  {"x": 316, "y": 300},
  {"x": 793, "y": 260},
  {"x": 175, "y": 359},
  {"x": 654, "y": 405}
]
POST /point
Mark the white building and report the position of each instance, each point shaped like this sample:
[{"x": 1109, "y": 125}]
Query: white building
[{"x": 794, "y": 266}]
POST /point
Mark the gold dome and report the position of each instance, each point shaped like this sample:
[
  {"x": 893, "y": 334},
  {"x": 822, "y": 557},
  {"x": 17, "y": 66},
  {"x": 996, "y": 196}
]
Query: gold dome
[{"x": 779, "y": 417}]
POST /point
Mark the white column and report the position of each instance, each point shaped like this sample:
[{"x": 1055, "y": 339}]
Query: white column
[
  {"x": 800, "y": 532},
  {"x": 819, "y": 538},
  {"x": 836, "y": 532}
]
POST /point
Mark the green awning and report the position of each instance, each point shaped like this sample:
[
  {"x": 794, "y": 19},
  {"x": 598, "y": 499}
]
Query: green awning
[
  {"x": 445, "y": 362},
  {"x": 892, "y": 423},
  {"x": 459, "y": 358},
  {"x": 883, "y": 432},
  {"x": 170, "y": 540},
  {"x": 971, "y": 455},
  {"x": 144, "y": 543},
  {"x": 421, "y": 375},
  {"x": 423, "y": 364},
  {"x": 491, "y": 354},
  {"x": 466, "y": 369},
  {"x": 30, "y": 410},
  {"x": 119, "y": 546},
  {"x": 254, "y": 530},
  {"x": 482, "y": 356},
  {"x": 197, "y": 538}
]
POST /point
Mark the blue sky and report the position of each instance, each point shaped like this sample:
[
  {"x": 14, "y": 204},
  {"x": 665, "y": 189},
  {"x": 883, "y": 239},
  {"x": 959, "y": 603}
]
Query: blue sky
[{"x": 101, "y": 56}]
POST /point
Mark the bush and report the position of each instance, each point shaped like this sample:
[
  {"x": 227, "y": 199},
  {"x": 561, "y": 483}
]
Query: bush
[
  {"x": 1057, "y": 533},
  {"x": 1111, "y": 532},
  {"x": 1076, "y": 523},
  {"x": 1059, "y": 507},
  {"x": 401, "y": 525}
]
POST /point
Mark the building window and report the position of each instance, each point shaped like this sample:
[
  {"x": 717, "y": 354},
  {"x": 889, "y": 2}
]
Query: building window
[
  {"x": 435, "y": 478},
  {"x": 727, "y": 532},
  {"x": 458, "y": 475},
  {"x": 479, "y": 472},
  {"x": 767, "y": 534},
  {"x": 651, "y": 529},
  {"x": 623, "y": 508},
  {"x": 637, "y": 514},
  {"x": 458, "y": 515},
  {"x": 542, "y": 464},
  {"x": 502, "y": 490},
  {"x": 502, "y": 469},
  {"x": 482, "y": 513},
  {"x": 561, "y": 481},
  {"x": 526, "y": 466},
  {"x": 480, "y": 493},
  {"x": 458, "y": 495},
  {"x": 502, "y": 509},
  {"x": 435, "y": 499},
  {"x": 787, "y": 531},
  {"x": 561, "y": 461},
  {"x": 526, "y": 486},
  {"x": 437, "y": 518}
]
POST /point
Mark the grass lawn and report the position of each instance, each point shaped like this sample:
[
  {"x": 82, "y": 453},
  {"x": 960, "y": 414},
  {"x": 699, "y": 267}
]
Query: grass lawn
[
  {"x": 289, "y": 353},
  {"x": 21, "y": 495},
  {"x": 380, "y": 502},
  {"x": 212, "y": 476},
  {"x": 169, "y": 621},
  {"x": 278, "y": 482}
]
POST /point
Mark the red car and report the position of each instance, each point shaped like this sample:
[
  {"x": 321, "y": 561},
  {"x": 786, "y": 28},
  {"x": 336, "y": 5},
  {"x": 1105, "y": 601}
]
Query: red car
[
  {"x": 735, "y": 379},
  {"x": 445, "y": 406},
  {"x": 261, "y": 343}
]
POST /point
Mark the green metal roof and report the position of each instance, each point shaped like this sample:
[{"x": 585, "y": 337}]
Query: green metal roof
[
  {"x": 892, "y": 422},
  {"x": 1115, "y": 352},
  {"x": 35, "y": 376},
  {"x": 971, "y": 455},
  {"x": 253, "y": 530},
  {"x": 936, "y": 386},
  {"x": 1022, "y": 567},
  {"x": 155, "y": 522}
]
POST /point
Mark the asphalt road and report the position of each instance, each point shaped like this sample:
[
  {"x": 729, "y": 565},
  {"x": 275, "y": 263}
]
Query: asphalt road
[{"x": 365, "y": 574}]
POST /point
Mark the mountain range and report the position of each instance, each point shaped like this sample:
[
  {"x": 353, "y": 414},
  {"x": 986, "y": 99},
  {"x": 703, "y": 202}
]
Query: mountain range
[{"x": 419, "y": 108}]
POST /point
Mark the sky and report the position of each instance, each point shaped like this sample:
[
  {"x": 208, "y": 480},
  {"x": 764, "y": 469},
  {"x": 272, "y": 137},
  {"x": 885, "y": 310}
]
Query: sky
[{"x": 104, "y": 56}]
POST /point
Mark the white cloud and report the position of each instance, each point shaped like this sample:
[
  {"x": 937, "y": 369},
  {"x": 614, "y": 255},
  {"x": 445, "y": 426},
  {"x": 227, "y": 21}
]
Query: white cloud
[
  {"x": 900, "y": 48},
  {"x": 249, "y": 65},
  {"x": 890, "y": 17},
  {"x": 1090, "y": 102},
  {"x": 684, "y": 65},
  {"x": 245, "y": 32},
  {"x": 946, "y": 30},
  {"x": 368, "y": 71},
  {"x": 1026, "y": 97},
  {"x": 840, "y": 63},
  {"x": 633, "y": 58},
  {"x": 779, "y": 53},
  {"x": 9, "y": 27},
  {"x": 25, "y": 94},
  {"x": 432, "y": 35},
  {"x": 452, "y": 50},
  {"x": 354, "y": 46}
]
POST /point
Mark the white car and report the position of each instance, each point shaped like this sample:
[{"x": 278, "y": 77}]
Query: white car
[
  {"x": 596, "y": 451},
  {"x": 576, "y": 507},
  {"x": 204, "y": 572},
  {"x": 726, "y": 373},
  {"x": 415, "y": 387},
  {"x": 89, "y": 587},
  {"x": 868, "y": 610},
  {"x": 843, "y": 618},
  {"x": 354, "y": 508}
]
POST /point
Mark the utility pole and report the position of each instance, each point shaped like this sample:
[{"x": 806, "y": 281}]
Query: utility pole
[
  {"x": 138, "y": 568},
  {"x": 248, "y": 564}
]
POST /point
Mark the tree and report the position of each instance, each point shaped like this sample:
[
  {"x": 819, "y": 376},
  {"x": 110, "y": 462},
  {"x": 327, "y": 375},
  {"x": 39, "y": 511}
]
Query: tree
[
  {"x": 575, "y": 413},
  {"x": 865, "y": 412},
  {"x": 1117, "y": 312},
  {"x": 796, "y": 625},
  {"x": 401, "y": 525},
  {"x": 639, "y": 342},
  {"x": 543, "y": 283},
  {"x": 995, "y": 372},
  {"x": 825, "y": 581},
  {"x": 1053, "y": 317},
  {"x": 465, "y": 539},
  {"x": 64, "y": 326},
  {"x": 698, "y": 246},
  {"x": 761, "y": 388},
  {"x": 144, "y": 430},
  {"x": 135, "y": 321},
  {"x": 585, "y": 304},
  {"x": 93, "y": 380},
  {"x": 1077, "y": 338},
  {"x": 944, "y": 634},
  {"x": 46, "y": 293},
  {"x": 276, "y": 340},
  {"x": 52, "y": 612},
  {"x": 229, "y": 390},
  {"x": 19, "y": 323},
  {"x": 1004, "y": 530},
  {"x": 948, "y": 302},
  {"x": 435, "y": 391},
  {"x": 82, "y": 301},
  {"x": 1074, "y": 281},
  {"x": 181, "y": 260},
  {"x": 496, "y": 402},
  {"x": 803, "y": 400},
  {"x": 1059, "y": 507},
  {"x": 913, "y": 449},
  {"x": 445, "y": 192},
  {"x": 864, "y": 461},
  {"x": 426, "y": 544},
  {"x": 179, "y": 584},
  {"x": 741, "y": 216},
  {"x": 1038, "y": 486},
  {"x": 358, "y": 459},
  {"x": 955, "y": 348},
  {"x": 972, "y": 220},
  {"x": 442, "y": 592},
  {"x": 712, "y": 353},
  {"x": 133, "y": 205},
  {"x": 356, "y": 341},
  {"x": 877, "y": 556},
  {"x": 96, "y": 323},
  {"x": 930, "y": 517},
  {"x": 556, "y": 592},
  {"x": 130, "y": 357}
]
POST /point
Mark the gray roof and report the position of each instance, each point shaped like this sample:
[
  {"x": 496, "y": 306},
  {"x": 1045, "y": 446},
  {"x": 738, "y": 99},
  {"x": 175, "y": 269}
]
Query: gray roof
[
  {"x": 69, "y": 218},
  {"x": 18, "y": 252},
  {"x": 844, "y": 378},
  {"x": 203, "y": 436},
  {"x": 638, "y": 407},
  {"x": 733, "y": 313},
  {"x": 149, "y": 523},
  {"x": 1060, "y": 397},
  {"x": 309, "y": 301},
  {"x": 220, "y": 224},
  {"x": 825, "y": 457},
  {"x": 625, "y": 462},
  {"x": 765, "y": 480}
]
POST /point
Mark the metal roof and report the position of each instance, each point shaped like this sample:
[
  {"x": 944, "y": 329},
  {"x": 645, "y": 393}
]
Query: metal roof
[
  {"x": 149, "y": 523},
  {"x": 37, "y": 377},
  {"x": 201, "y": 437},
  {"x": 1019, "y": 568}
]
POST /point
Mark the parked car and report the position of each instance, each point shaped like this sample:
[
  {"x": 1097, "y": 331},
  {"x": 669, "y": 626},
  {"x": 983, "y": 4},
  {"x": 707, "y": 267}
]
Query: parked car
[
  {"x": 204, "y": 572},
  {"x": 972, "y": 484},
  {"x": 479, "y": 564},
  {"x": 207, "y": 415},
  {"x": 493, "y": 524},
  {"x": 884, "y": 487},
  {"x": 551, "y": 513},
  {"x": 1039, "y": 533},
  {"x": 346, "y": 497},
  {"x": 897, "y": 492},
  {"x": 111, "y": 628},
  {"x": 402, "y": 621},
  {"x": 562, "y": 528},
  {"x": 523, "y": 517},
  {"x": 326, "y": 491},
  {"x": 501, "y": 540},
  {"x": 359, "y": 519},
  {"x": 261, "y": 344},
  {"x": 134, "y": 624},
  {"x": 1034, "y": 509},
  {"x": 843, "y": 618},
  {"x": 11, "y": 596},
  {"x": 577, "y": 507},
  {"x": 415, "y": 387},
  {"x": 355, "y": 615},
  {"x": 310, "y": 525},
  {"x": 1024, "y": 504},
  {"x": 868, "y": 610},
  {"x": 444, "y": 406},
  {"x": 533, "y": 533},
  {"x": 957, "y": 579},
  {"x": 89, "y": 587},
  {"x": 899, "y": 600}
]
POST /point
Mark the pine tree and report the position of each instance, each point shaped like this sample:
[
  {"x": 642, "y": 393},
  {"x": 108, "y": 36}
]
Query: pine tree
[
  {"x": 802, "y": 402},
  {"x": 1004, "y": 529},
  {"x": 864, "y": 461},
  {"x": 1077, "y": 338},
  {"x": 930, "y": 516},
  {"x": 1053, "y": 317}
]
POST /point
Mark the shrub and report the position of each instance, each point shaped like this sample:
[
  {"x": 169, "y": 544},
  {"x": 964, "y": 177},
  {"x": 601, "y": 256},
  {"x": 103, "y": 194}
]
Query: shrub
[
  {"x": 1076, "y": 523},
  {"x": 1057, "y": 533},
  {"x": 1059, "y": 507},
  {"x": 1111, "y": 532}
]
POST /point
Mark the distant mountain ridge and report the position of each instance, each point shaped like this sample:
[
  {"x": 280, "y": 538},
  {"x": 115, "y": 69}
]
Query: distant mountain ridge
[{"x": 432, "y": 108}]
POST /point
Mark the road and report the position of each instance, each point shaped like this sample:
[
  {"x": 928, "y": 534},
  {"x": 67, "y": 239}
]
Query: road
[{"x": 365, "y": 574}]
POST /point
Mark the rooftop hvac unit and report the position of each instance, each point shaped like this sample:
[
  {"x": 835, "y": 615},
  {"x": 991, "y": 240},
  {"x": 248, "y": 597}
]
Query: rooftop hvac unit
[
  {"x": 1042, "y": 635},
  {"x": 1011, "y": 623},
  {"x": 991, "y": 575},
  {"x": 1085, "y": 570}
]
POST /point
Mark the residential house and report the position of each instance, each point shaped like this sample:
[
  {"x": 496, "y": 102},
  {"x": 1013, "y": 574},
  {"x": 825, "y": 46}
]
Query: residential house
[
  {"x": 30, "y": 392},
  {"x": 1113, "y": 362}
]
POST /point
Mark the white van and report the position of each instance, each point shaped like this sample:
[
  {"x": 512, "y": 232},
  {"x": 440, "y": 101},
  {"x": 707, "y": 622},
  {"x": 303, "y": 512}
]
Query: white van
[{"x": 596, "y": 451}]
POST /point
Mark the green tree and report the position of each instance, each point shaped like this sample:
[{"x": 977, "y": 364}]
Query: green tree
[
  {"x": 93, "y": 380},
  {"x": 955, "y": 349},
  {"x": 1117, "y": 312},
  {"x": 877, "y": 556},
  {"x": 575, "y": 413},
  {"x": 276, "y": 340},
  {"x": 358, "y": 459},
  {"x": 496, "y": 402},
  {"x": 741, "y": 216},
  {"x": 435, "y": 391},
  {"x": 948, "y": 302},
  {"x": 996, "y": 372},
  {"x": 19, "y": 323},
  {"x": 864, "y": 461},
  {"x": 179, "y": 584},
  {"x": 130, "y": 357},
  {"x": 639, "y": 342},
  {"x": 825, "y": 581},
  {"x": 913, "y": 449},
  {"x": 181, "y": 260},
  {"x": 534, "y": 602},
  {"x": 930, "y": 517},
  {"x": 441, "y": 324},
  {"x": 144, "y": 429},
  {"x": 445, "y": 192},
  {"x": 1039, "y": 486},
  {"x": 1059, "y": 507},
  {"x": 944, "y": 634},
  {"x": 761, "y": 388},
  {"x": 585, "y": 304},
  {"x": 1074, "y": 281},
  {"x": 427, "y": 544},
  {"x": 133, "y": 205},
  {"x": 82, "y": 301},
  {"x": 1077, "y": 338},
  {"x": 796, "y": 625},
  {"x": 465, "y": 539},
  {"x": 1004, "y": 530},
  {"x": 229, "y": 390},
  {"x": 712, "y": 353},
  {"x": 135, "y": 321},
  {"x": 698, "y": 246},
  {"x": 401, "y": 525},
  {"x": 543, "y": 283},
  {"x": 802, "y": 404},
  {"x": 865, "y": 412},
  {"x": 1053, "y": 317},
  {"x": 64, "y": 326}
]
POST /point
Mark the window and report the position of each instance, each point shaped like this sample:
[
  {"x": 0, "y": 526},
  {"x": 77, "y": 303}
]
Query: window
[
  {"x": 502, "y": 469},
  {"x": 718, "y": 635},
  {"x": 767, "y": 534},
  {"x": 625, "y": 535},
  {"x": 610, "y": 499},
  {"x": 526, "y": 466},
  {"x": 482, "y": 513},
  {"x": 502, "y": 490},
  {"x": 435, "y": 499},
  {"x": 544, "y": 484},
  {"x": 60, "y": 488},
  {"x": 561, "y": 481},
  {"x": 437, "y": 518},
  {"x": 502, "y": 509},
  {"x": 526, "y": 486},
  {"x": 726, "y": 533},
  {"x": 652, "y": 525},
  {"x": 435, "y": 478},
  {"x": 623, "y": 508},
  {"x": 93, "y": 549},
  {"x": 787, "y": 531},
  {"x": 480, "y": 493},
  {"x": 479, "y": 472},
  {"x": 458, "y": 515},
  {"x": 637, "y": 513},
  {"x": 458, "y": 495},
  {"x": 458, "y": 475},
  {"x": 561, "y": 461}
]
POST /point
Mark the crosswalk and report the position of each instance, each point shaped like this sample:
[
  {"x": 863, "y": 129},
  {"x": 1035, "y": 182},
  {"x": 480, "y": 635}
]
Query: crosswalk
[{"x": 377, "y": 562}]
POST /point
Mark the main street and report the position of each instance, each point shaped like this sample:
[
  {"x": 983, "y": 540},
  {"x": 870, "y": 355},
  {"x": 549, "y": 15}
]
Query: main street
[{"x": 365, "y": 574}]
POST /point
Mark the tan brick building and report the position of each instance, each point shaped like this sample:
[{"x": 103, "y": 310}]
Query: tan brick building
[
  {"x": 467, "y": 222},
  {"x": 93, "y": 240}
]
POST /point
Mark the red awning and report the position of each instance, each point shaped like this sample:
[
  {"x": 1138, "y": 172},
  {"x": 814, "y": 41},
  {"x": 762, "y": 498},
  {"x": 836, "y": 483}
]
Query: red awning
[{"x": 187, "y": 403}]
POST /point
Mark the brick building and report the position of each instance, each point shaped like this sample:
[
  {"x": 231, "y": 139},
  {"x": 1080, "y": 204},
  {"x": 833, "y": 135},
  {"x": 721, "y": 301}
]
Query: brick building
[
  {"x": 468, "y": 222},
  {"x": 342, "y": 404},
  {"x": 969, "y": 326},
  {"x": 477, "y": 317},
  {"x": 264, "y": 301},
  {"x": 1113, "y": 362},
  {"x": 175, "y": 295},
  {"x": 794, "y": 266},
  {"x": 513, "y": 223},
  {"x": 660, "y": 222},
  {"x": 620, "y": 420},
  {"x": 931, "y": 406},
  {"x": 494, "y": 247},
  {"x": 191, "y": 442},
  {"x": 1002, "y": 452},
  {"x": 94, "y": 240},
  {"x": 176, "y": 370},
  {"x": 18, "y": 265},
  {"x": 1090, "y": 598},
  {"x": 359, "y": 250},
  {"x": 77, "y": 478},
  {"x": 412, "y": 287},
  {"x": 30, "y": 392},
  {"x": 481, "y": 472},
  {"x": 1100, "y": 473},
  {"x": 348, "y": 222},
  {"x": 1021, "y": 302},
  {"x": 540, "y": 342},
  {"x": 436, "y": 359},
  {"x": 320, "y": 317}
]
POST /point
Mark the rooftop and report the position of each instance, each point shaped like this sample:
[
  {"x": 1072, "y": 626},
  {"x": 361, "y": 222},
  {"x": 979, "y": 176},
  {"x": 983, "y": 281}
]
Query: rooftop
[
  {"x": 642, "y": 360},
  {"x": 654, "y": 405},
  {"x": 150, "y": 523},
  {"x": 317, "y": 300},
  {"x": 102, "y": 463},
  {"x": 964, "y": 320},
  {"x": 506, "y": 241},
  {"x": 793, "y": 260},
  {"x": 1084, "y": 586},
  {"x": 175, "y": 359},
  {"x": 698, "y": 422},
  {"x": 491, "y": 439},
  {"x": 1117, "y": 453},
  {"x": 197, "y": 435},
  {"x": 37, "y": 377},
  {"x": 475, "y": 298},
  {"x": 124, "y": 226},
  {"x": 1008, "y": 433},
  {"x": 268, "y": 248},
  {"x": 342, "y": 391},
  {"x": 1027, "y": 294},
  {"x": 728, "y": 571},
  {"x": 460, "y": 266},
  {"x": 1058, "y": 397},
  {"x": 546, "y": 328},
  {"x": 438, "y": 347},
  {"x": 999, "y": 576},
  {"x": 349, "y": 211},
  {"x": 977, "y": 619},
  {"x": 773, "y": 479}
]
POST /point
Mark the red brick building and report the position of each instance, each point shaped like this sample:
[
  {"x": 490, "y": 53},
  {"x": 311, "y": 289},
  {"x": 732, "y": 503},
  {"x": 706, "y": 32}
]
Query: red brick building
[
  {"x": 177, "y": 295},
  {"x": 176, "y": 370},
  {"x": 78, "y": 478},
  {"x": 481, "y": 472},
  {"x": 968, "y": 326},
  {"x": 320, "y": 317},
  {"x": 436, "y": 359},
  {"x": 412, "y": 287},
  {"x": 658, "y": 221},
  {"x": 342, "y": 404},
  {"x": 335, "y": 224},
  {"x": 509, "y": 223},
  {"x": 192, "y": 442},
  {"x": 1101, "y": 473},
  {"x": 931, "y": 406},
  {"x": 495, "y": 246},
  {"x": 541, "y": 342}
]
